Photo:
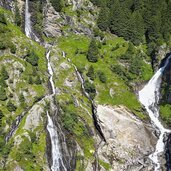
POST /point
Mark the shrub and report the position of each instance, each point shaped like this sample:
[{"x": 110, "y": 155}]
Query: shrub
[
  {"x": 30, "y": 80},
  {"x": 119, "y": 70},
  {"x": 38, "y": 80},
  {"x": 57, "y": 4},
  {"x": 21, "y": 98},
  {"x": 102, "y": 76},
  {"x": 91, "y": 73},
  {"x": 17, "y": 15},
  {"x": 11, "y": 107},
  {"x": 3, "y": 45},
  {"x": 4, "y": 73},
  {"x": 3, "y": 95},
  {"x": 92, "y": 54},
  {"x": 1, "y": 116},
  {"x": 69, "y": 120},
  {"x": 12, "y": 48},
  {"x": 2, "y": 18},
  {"x": 32, "y": 58},
  {"x": 90, "y": 89}
]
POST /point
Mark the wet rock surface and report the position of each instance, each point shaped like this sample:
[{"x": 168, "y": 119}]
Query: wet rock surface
[
  {"x": 168, "y": 152},
  {"x": 129, "y": 141}
]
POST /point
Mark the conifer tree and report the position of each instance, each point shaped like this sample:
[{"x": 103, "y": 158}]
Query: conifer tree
[
  {"x": 91, "y": 73},
  {"x": 103, "y": 20},
  {"x": 93, "y": 52}
]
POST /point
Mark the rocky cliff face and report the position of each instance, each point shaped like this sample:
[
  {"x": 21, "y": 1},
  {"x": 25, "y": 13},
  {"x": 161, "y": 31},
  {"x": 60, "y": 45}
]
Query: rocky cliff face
[{"x": 126, "y": 137}]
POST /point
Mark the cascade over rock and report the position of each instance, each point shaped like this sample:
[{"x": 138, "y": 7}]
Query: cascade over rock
[{"x": 149, "y": 97}]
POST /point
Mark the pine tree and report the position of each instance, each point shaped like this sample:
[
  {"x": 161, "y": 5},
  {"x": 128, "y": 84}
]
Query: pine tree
[
  {"x": 91, "y": 73},
  {"x": 103, "y": 20},
  {"x": 119, "y": 19},
  {"x": 93, "y": 52},
  {"x": 136, "y": 31},
  {"x": 57, "y": 4}
]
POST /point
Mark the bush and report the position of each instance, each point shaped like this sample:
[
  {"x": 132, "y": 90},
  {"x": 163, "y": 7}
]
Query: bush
[
  {"x": 3, "y": 95},
  {"x": 57, "y": 4},
  {"x": 91, "y": 73},
  {"x": 2, "y": 19},
  {"x": 30, "y": 80},
  {"x": 38, "y": 80},
  {"x": 21, "y": 98},
  {"x": 69, "y": 120},
  {"x": 102, "y": 76},
  {"x": 1, "y": 116},
  {"x": 12, "y": 48},
  {"x": 11, "y": 107},
  {"x": 4, "y": 73},
  {"x": 90, "y": 89},
  {"x": 92, "y": 54},
  {"x": 32, "y": 58},
  {"x": 3, "y": 45},
  {"x": 3, "y": 83},
  {"x": 117, "y": 69},
  {"x": 17, "y": 15}
]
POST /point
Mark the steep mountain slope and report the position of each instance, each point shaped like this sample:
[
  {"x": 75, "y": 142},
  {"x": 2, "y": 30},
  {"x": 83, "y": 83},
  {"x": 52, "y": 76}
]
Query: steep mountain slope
[{"x": 98, "y": 119}]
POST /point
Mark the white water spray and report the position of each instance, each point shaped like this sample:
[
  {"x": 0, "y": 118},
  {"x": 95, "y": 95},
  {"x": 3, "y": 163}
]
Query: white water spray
[
  {"x": 149, "y": 97},
  {"x": 57, "y": 160},
  {"x": 28, "y": 29},
  {"x": 27, "y": 20},
  {"x": 50, "y": 72}
]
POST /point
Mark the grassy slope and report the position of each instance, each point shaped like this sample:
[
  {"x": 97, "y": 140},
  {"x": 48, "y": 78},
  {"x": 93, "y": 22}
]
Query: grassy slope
[
  {"x": 16, "y": 62},
  {"x": 71, "y": 44}
]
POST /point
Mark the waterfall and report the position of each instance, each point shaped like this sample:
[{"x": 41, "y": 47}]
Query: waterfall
[
  {"x": 57, "y": 160},
  {"x": 27, "y": 20},
  {"x": 51, "y": 73},
  {"x": 149, "y": 97},
  {"x": 56, "y": 153},
  {"x": 28, "y": 29}
]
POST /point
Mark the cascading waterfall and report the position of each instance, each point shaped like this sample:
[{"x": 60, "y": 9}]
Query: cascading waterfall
[
  {"x": 56, "y": 152},
  {"x": 57, "y": 161},
  {"x": 149, "y": 97},
  {"x": 28, "y": 29},
  {"x": 27, "y": 20}
]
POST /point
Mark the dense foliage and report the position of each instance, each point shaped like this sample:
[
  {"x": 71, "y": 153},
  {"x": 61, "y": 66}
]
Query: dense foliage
[
  {"x": 92, "y": 54},
  {"x": 57, "y": 4},
  {"x": 139, "y": 21}
]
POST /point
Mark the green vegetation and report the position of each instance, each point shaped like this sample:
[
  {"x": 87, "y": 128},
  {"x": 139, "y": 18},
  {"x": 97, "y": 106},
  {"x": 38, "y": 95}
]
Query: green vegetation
[
  {"x": 3, "y": 19},
  {"x": 165, "y": 112},
  {"x": 111, "y": 71},
  {"x": 17, "y": 15},
  {"x": 17, "y": 96},
  {"x": 137, "y": 21},
  {"x": 11, "y": 107},
  {"x": 91, "y": 73},
  {"x": 92, "y": 54},
  {"x": 105, "y": 165},
  {"x": 57, "y": 4},
  {"x": 90, "y": 89},
  {"x": 4, "y": 73},
  {"x": 3, "y": 95},
  {"x": 37, "y": 16},
  {"x": 32, "y": 58},
  {"x": 102, "y": 76}
]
